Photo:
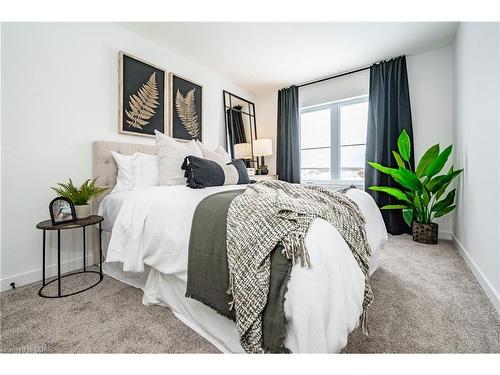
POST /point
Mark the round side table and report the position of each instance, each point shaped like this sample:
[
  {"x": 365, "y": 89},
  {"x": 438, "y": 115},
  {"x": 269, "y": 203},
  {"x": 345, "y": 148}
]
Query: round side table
[{"x": 80, "y": 223}]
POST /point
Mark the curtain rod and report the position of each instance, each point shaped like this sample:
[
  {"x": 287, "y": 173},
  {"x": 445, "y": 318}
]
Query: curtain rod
[
  {"x": 347, "y": 73},
  {"x": 335, "y": 76}
]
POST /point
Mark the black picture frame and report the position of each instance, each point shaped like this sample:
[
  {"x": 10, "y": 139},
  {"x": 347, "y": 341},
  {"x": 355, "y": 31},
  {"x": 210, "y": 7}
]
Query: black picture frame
[
  {"x": 68, "y": 218},
  {"x": 142, "y": 97},
  {"x": 181, "y": 128}
]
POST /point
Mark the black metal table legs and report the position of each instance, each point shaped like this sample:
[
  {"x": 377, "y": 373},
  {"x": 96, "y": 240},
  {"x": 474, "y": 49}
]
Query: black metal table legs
[
  {"x": 43, "y": 265},
  {"x": 100, "y": 250},
  {"x": 84, "y": 250},
  {"x": 59, "y": 277},
  {"x": 59, "y": 263}
]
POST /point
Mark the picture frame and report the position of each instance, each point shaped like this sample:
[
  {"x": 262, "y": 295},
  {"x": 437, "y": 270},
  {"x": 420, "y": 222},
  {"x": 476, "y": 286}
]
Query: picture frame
[
  {"x": 187, "y": 126},
  {"x": 142, "y": 96},
  {"x": 62, "y": 211}
]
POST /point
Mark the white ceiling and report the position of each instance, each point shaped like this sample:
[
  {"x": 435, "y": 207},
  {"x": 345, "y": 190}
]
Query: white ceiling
[{"x": 258, "y": 56}]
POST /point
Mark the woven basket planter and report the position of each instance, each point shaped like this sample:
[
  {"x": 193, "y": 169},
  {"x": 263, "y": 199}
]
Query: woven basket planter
[{"x": 425, "y": 233}]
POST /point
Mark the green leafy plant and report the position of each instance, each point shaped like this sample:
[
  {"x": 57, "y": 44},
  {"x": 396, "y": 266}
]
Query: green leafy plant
[
  {"x": 80, "y": 195},
  {"x": 421, "y": 189}
]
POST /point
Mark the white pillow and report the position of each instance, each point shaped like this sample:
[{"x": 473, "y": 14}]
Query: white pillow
[
  {"x": 219, "y": 155},
  {"x": 125, "y": 178},
  {"x": 171, "y": 156},
  {"x": 146, "y": 169},
  {"x": 220, "y": 150}
]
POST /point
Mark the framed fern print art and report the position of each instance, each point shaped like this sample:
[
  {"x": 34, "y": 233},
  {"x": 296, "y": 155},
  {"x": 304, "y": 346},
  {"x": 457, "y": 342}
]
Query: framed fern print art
[
  {"x": 186, "y": 108},
  {"x": 142, "y": 97}
]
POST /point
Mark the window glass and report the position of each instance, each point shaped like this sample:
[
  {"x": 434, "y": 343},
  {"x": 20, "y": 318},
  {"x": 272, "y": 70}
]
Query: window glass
[
  {"x": 315, "y": 164},
  {"x": 348, "y": 119},
  {"x": 352, "y": 162},
  {"x": 353, "y": 121},
  {"x": 315, "y": 138},
  {"x": 315, "y": 129}
]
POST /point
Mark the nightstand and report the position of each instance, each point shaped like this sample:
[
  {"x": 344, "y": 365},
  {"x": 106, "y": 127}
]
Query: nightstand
[
  {"x": 263, "y": 177},
  {"x": 80, "y": 223}
]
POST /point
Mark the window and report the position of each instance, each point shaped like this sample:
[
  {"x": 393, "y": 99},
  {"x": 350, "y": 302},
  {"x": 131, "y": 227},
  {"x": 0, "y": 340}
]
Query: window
[{"x": 333, "y": 141}]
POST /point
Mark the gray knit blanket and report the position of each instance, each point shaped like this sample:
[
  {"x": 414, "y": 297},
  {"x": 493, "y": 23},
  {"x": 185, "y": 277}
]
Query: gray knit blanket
[{"x": 275, "y": 212}]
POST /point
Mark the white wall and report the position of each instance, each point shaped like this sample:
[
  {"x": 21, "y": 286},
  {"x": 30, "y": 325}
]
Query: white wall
[
  {"x": 266, "y": 117},
  {"x": 477, "y": 139},
  {"x": 1, "y": 131},
  {"x": 430, "y": 78},
  {"x": 60, "y": 93}
]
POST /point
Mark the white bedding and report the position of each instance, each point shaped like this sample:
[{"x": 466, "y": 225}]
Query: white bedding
[
  {"x": 322, "y": 305},
  {"x": 109, "y": 208}
]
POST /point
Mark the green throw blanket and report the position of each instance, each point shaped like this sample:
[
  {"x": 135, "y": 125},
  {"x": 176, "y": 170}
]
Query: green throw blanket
[{"x": 208, "y": 273}]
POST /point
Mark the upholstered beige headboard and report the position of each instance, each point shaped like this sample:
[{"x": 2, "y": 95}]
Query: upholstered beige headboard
[{"x": 104, "y": 166}]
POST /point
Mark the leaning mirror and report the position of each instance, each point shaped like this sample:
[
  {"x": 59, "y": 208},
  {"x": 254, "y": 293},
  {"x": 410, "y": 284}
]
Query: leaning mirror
[{"x": 241, "y": 129}]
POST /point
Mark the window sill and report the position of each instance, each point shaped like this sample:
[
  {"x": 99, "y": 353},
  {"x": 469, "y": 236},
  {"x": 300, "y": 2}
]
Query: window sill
[{"x": 336, "y": 184}]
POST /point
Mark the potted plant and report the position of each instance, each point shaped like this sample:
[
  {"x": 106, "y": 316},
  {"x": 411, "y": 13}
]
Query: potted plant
[
  {"x": 421, "y": 193},
  {"x": 80, "y": 196}
]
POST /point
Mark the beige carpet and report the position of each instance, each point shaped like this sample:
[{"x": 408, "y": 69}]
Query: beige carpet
[{"x": 426, "y": 301}]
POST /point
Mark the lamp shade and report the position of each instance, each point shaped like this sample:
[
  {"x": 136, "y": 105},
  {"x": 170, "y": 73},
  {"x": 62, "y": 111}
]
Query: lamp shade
[
  {"x": 263, "y": 147},
  {"x": 243, "y": 151}
]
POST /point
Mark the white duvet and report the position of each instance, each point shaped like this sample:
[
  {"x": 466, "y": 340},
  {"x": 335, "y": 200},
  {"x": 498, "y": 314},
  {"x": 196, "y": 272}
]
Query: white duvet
[{"x": 322, "y": 305}]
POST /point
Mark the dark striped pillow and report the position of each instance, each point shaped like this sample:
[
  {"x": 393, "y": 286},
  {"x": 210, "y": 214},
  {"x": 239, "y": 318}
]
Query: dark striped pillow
[{"x": 201, "y": 173}]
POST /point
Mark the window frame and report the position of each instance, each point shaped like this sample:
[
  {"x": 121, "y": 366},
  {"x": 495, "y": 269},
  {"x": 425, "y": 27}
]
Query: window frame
[{"x": 335, "y": 146}]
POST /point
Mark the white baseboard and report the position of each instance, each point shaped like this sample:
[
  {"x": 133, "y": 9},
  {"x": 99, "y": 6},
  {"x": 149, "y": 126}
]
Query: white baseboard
[
  {"x": 50, "y": 271},
  {"x": 445, "y": 235},
  {"x": 485, "y": 284}
]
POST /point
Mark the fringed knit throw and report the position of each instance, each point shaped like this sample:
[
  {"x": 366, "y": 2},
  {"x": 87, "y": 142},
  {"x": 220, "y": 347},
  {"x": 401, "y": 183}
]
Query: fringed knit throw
[{"x": 273, "y": 212}]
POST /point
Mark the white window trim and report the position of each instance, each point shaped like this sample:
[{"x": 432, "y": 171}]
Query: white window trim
[{"x": 334, "y": 143}]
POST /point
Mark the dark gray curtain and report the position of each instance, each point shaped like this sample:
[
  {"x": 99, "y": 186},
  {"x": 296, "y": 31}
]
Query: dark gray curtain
[
  {"x": 288, "y": 144},
  {"x": 235, "y": 128},
  {"x": 389, "y": 113}
]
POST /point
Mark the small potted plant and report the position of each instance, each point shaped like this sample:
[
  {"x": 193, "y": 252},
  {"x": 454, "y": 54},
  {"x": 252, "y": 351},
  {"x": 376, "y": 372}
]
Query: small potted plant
[
  {"x": 421, "y": 193},
  {"x": 80, "y": 196}
]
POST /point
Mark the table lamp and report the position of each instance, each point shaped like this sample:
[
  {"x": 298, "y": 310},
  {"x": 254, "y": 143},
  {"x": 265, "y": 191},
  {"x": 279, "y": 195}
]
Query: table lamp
[
  {"x": 242, "y": 151},
  {"x": 262, "y": 147}
]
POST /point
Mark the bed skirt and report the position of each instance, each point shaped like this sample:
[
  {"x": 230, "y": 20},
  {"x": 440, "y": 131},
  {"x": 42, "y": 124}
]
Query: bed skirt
[{"x": 169, "y": 291}]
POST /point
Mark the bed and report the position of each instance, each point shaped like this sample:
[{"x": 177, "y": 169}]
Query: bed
[{"x": 145, "y": 241}]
